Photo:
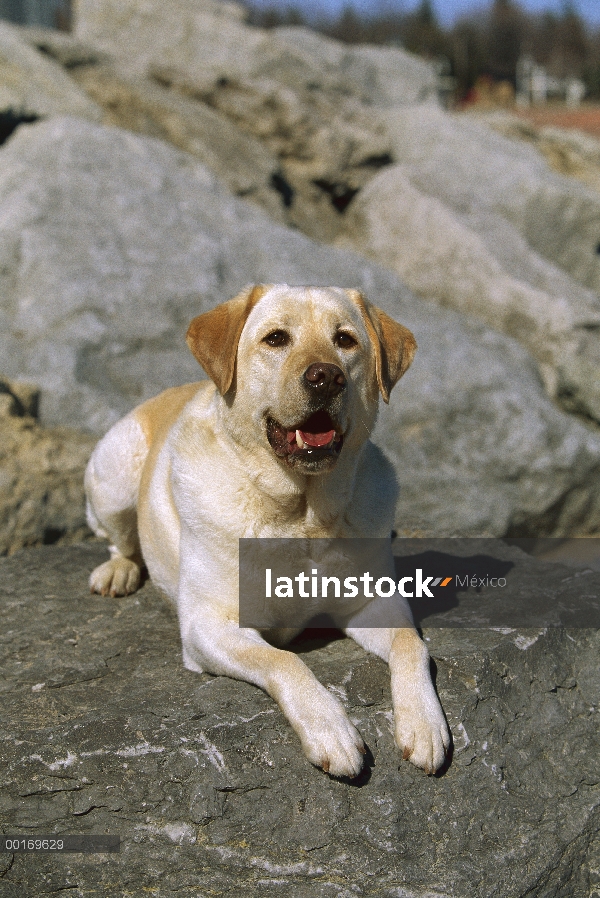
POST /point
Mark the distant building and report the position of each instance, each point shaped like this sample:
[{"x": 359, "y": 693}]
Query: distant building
[
  {"x": 535, "y": 86},
  {"x": 47, "y": 13},
  {"x": 446, "y": 83}
]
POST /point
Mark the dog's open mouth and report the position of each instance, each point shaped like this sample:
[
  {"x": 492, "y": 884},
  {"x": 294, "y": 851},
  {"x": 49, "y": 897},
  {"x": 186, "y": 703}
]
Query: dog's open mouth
[{"x": 313, "y": 439}]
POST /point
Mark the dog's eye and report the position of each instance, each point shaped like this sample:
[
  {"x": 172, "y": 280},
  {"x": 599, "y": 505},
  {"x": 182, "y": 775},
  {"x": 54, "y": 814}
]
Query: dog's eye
[
  {"x": 344, "y": 341},
  {"x": 277, "y": 339}
]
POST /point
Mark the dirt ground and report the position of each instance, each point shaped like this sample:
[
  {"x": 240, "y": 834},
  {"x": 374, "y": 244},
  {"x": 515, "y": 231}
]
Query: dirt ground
[{"x": 585, "y": 118}]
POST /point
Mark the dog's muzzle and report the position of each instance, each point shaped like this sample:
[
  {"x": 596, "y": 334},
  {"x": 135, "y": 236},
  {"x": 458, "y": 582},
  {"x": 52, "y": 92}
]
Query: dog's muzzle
[{"x": 315, "y": 442}]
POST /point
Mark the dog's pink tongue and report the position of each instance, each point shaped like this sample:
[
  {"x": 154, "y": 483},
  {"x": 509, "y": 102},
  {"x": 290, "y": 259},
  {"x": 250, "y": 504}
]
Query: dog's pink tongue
[{"x": 317, "y": 439}]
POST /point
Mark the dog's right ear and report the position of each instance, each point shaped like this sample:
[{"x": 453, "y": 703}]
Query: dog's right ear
[{"x": 213, "y": 337}]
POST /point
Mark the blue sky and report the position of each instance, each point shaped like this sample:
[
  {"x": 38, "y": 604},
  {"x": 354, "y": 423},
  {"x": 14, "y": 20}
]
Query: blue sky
[{"x": 447, "y": 10}]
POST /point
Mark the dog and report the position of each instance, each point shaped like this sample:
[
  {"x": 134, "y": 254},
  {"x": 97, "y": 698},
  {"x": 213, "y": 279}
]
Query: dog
[{"x": 276, "y": 444}]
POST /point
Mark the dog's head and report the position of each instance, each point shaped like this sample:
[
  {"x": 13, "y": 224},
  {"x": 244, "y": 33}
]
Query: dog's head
[{"x": 301, "y": 368}]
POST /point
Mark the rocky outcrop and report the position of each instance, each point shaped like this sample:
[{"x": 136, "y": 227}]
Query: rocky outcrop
[
  {"x": 328, "y": 144},
  {"x": 466, "y": 165},
  {"x": 207, "y": 40},
  {"x": 330, "y": 139},
  {"x": 290, "y": 134},
  {"x": 456, "y": 220},
  {"x": 41, "y": 474},
  {"x": 141, "y": 32},
  {"x": 472, "y": 259},
  {"x": 204, "y": 782},
  {"x": 568, "y": 152},
  {"x": 311, "y": 101},
  {"x": 111, "y": 243},
  {"x": 32, "y": 85},
  {"x": 256, "y": 74}
]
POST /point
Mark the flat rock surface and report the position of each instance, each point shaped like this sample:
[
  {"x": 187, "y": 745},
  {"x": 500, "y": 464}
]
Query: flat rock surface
[{"x": 104, "y": 731}]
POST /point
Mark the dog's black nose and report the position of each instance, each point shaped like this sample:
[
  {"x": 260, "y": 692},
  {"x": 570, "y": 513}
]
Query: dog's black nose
[{"x": 324, "y": 379}]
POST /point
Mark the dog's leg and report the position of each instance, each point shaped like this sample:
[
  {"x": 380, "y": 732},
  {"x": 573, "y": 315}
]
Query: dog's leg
[
  {"x": 112, "y": 480},
  {"x": 219, "y": 646},
  {"x": 420, "y": 728}
]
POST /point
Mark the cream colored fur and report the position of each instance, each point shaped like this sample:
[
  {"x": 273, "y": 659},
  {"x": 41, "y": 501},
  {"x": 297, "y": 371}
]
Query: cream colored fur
[{"x": 180, "y": 479}]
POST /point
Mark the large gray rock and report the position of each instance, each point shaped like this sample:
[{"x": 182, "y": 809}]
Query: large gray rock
[
  {"x": 466, "y": 165},
  {"x": 328, "y": 144},
  {"x": 473, "y": 259},
  {"x": 380, "y": 76},
  {"x": 203, "y": 780},
  {"x": 311, "y": 101},
  {"x": 208, "y": 39},
  {"x": 245, "y": 165},
  {"x": 110, "y": 243},
  {"x": 144, "y": 106},
  {"x": 33, "y": 84},
  {"x": 567, "y": 151},
  {"x": 41, "y": 474}
]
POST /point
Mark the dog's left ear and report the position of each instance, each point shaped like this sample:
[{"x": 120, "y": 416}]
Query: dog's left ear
[
  {"x": 394, "y": 345},
  {"x": 213, "y": 337}
]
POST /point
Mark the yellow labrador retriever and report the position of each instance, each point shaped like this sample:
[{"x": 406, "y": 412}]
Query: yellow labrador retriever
[{"x": 276, "y": 446}]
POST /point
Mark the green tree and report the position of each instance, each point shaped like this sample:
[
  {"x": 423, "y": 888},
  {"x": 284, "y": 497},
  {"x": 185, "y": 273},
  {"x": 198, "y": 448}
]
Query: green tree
[
  {"x": 573, "y": 41},
  {"x": 505, "y": 37},
  {"x": 421, "y": 32}
]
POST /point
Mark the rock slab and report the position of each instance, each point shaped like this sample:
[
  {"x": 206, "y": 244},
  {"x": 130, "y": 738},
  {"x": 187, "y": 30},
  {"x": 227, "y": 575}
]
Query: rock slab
[{"x": 104, "y": 731}]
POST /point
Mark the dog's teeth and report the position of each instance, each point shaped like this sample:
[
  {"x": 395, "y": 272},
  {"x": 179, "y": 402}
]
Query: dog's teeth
[{"x": 300, "y": 441}]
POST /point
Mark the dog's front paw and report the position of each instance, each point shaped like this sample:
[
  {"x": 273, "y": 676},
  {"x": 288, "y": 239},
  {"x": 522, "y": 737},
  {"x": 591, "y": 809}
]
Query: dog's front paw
[
  {"x": 118, "y": 577},
  {"x": 422, "y": 734},
  {"x": 328, "y": 738}
]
